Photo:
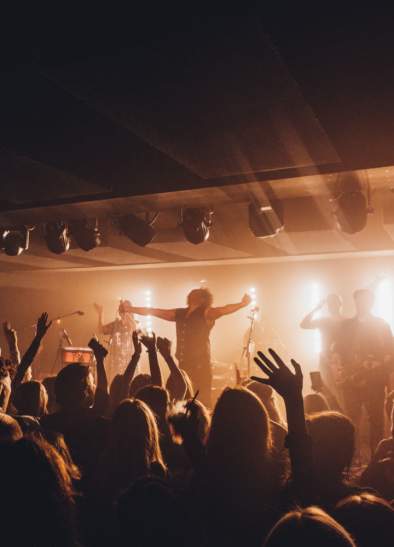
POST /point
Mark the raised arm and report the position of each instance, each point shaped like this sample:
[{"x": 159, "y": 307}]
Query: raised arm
[
  {"x": 101, "y": 397},
  {"x": 289, "y": 386},
  {"x": 179, "y": 384},
  {"x": 215, "y": 313},
  {"x": 27, "y": 359},
  {"x": 12, "y": 342},
  {"x": 150, "y": 344},
  {"x": 132, "y": 366},
  {"x": 167, "y": 315},
  {"x": 309, "y": 322}
]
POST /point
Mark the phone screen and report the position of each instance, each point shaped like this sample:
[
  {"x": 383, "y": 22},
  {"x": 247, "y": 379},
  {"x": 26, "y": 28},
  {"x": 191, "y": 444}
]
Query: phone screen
[{"x": 316, "y": 381}]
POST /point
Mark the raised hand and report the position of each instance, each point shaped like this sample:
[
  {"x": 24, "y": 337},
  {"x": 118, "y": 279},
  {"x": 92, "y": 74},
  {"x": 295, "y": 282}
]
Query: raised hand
[
  {"x": 149, "y": 341},
  {"x": 42, "y": 325},
  {"x": 99, "y": 308},
  {"x": 9, "y": 332},
  {"x": 246, "y": 299},
  {"x": 279, "y": 375},
  {"x": 136, "y": 343},
  {"x": 100, "y": 352},
  {"x": 164, "y": 346}
]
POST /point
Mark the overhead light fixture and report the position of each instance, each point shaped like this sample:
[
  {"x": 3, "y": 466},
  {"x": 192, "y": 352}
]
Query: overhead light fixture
[
  {"x": 86, "y": 233},
  {"x": 57, "y": 237},
  {"x": 350, "y": 206},
  {"x": 15, "y": 240},
  {"x": 138, "y": 230},
  {"x": 265, "y": 220},
  {"x": 196, "y": 224}
]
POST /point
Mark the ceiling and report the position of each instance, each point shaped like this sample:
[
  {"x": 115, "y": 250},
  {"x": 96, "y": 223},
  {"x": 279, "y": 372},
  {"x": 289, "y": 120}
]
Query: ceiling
[{"x": 157, "y": 113}]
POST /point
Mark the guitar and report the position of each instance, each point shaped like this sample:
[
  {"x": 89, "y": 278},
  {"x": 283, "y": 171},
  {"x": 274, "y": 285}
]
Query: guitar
[{"x": 361, "y": 372}]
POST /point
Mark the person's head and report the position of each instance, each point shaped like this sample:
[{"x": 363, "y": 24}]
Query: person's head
[
  {"x": 157, "y": 400},
  {"x": 334, "y": 304},
  {"x": 138, "y": 382},
  {"x": 310, "y": 527},
  {"x": 199, "y": 298},
  {"x": 74, "y": 387},
  {"x": 49, "y": 383},
  {"x": 31, "y": 399},
  {"x": 364, "y": 301},
  {"x": 240, "y": 435},
  {"x": 314, "y": 403},
  {"x": 10, "y": 430},
  {"x": 37, "y": 483},
  {"x": 369, "y": 519},
  {"x": 202, "y": 416},
  {"x": 133, "y": 446},
  {"x": 267, "y": 397},
  {"x": 121, "y": 309},
  {"x": 173, "y": 387},
  {"x": 333, "y": 442}
]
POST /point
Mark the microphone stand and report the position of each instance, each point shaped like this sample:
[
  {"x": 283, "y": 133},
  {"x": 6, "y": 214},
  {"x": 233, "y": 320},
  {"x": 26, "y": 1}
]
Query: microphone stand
[
  {"x": 246, "y": 348},
  {"x": 77, "y": 312}
]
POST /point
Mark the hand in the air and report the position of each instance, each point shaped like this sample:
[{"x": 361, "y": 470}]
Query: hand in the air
[
  {"x": 279, "y": 375},
  {"x": 136, "y": 343},
  {"x": 164, "y": 346},
  {"x": 246, "y": 299},
  {"x": 43, "y": 325},
  {"x": 149, "y": 341},
  {"x": 99, "y": 308},
  {"x": 9, "y": 332},
  {"x": 100, "y": 352}
]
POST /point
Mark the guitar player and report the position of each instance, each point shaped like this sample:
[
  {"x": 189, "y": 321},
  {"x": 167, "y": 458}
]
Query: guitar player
[{"x": 367, "y": 350}]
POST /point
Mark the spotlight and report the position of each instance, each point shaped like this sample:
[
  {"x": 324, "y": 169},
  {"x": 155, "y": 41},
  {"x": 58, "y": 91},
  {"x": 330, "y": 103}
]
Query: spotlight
[
  {"x": 196, "y": 224},
  {"x": 139, "y": 231},
  {"x": 351, "y": 206},
  {"x": 86, "y": 234},
  {"x": 57, "y": 237},
  {"x": 351, "y": 211},
  {"x": 265, "y": 220},
  {"x": 15, "y": 240}
]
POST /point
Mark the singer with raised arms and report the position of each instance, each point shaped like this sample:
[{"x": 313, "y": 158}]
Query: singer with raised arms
[{"x": 193, "y": 327}]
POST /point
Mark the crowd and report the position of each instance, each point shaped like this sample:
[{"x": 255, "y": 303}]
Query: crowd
[{"x": 144, "y": 463}]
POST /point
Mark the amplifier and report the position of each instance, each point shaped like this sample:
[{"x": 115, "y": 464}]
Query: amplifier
[{"x": 77, "y": 355}]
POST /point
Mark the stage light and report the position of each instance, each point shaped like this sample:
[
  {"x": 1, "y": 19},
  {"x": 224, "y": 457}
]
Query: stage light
[
  {"x": 196, "y": 224},
  {"x": 383, "y": 306},
  {"x": 350, "y": 206},
  {"x": 86, "y": 233},
  {"x": 265, "y": 220},
  {"x": 57, "y": 237},
  {"x": 138, "y": 230},
  {"x": 16, "y": 240},
  {"x": 315, "y": 298}
]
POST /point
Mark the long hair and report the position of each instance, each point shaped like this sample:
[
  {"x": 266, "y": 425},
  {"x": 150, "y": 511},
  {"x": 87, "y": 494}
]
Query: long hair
[
  {"x": 133, "y": 448},
  {"x": 40, "y": 506},
  {"x": 204, "y": 296},
  {"x": 239, "y": 442},
  {"x": 333, "y": 443},
  {"x": 368, "y": 518},
  {"x": 31, "y": 399},
  {"x": 310, "y": 526}
]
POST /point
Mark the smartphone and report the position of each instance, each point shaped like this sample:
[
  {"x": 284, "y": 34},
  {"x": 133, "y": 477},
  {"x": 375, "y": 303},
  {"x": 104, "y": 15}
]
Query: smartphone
[{"x": 316, "y": 381}]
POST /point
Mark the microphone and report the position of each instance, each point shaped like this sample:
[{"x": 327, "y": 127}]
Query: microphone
[{"x": 79, "y": 312}]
